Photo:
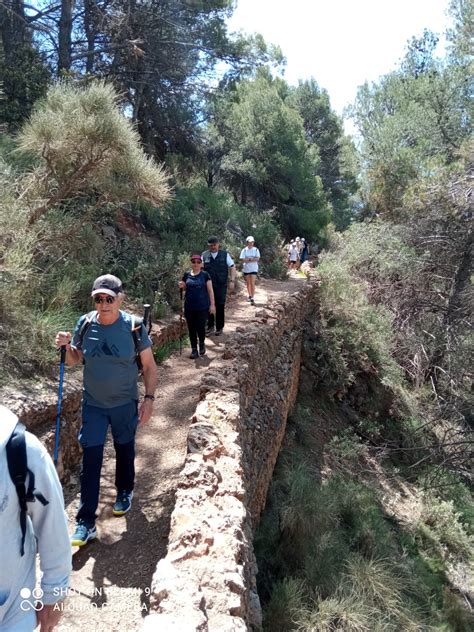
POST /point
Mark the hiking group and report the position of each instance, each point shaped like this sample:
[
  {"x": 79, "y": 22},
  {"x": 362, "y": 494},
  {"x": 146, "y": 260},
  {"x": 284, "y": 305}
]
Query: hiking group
[
  {"x": 298, "y": 251},
  {"x": 205, "y": 286},
  {"x": 113, "y": 346}
]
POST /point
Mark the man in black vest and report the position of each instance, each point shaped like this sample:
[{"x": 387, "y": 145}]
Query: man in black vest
[{"x": 218, "y": 263}]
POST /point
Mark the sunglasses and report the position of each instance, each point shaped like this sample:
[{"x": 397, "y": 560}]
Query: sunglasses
[
  {"x": 104, "y": 299},
  {"x": 196, "y": 260}
]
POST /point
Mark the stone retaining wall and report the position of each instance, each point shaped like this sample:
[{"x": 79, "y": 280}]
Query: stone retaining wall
[{"x": 207, "y": 581}]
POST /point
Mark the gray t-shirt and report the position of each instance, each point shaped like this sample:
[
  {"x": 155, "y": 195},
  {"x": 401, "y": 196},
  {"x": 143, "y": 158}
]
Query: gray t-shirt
[{"x": 110, "y": 368}]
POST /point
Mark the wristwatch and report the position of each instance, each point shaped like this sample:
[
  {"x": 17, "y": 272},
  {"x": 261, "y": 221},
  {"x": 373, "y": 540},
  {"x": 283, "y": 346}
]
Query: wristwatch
[{"x": 152, "y": 397}]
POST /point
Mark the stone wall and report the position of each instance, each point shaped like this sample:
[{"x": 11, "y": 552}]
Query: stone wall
[
  {"x": 36, "y": 405},
  {"x": 207, "y": 581}
]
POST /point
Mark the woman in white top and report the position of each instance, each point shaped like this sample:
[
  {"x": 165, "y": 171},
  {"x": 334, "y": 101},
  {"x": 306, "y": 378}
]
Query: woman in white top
[
  {"x": 293, "y": 255},
  {"x": 250, "y": 255}
]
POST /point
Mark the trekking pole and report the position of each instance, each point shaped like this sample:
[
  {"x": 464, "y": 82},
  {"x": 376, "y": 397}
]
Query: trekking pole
[
  {"x": 60, "y": 398},
  {"x": 147, "y": 316},
  {"x": 181, "y": 321}
]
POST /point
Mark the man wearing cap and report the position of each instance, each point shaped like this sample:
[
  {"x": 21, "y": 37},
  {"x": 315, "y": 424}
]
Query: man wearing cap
[
  {"x": 250, "y": 256},
  {"x": 104, "y": 342},
  {"x": 218, "y": 263}
]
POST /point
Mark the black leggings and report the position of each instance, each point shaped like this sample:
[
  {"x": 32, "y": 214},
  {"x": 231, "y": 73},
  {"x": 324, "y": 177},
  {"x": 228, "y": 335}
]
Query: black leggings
[
  {"x": 196, "y": 320},
  {"x": 218, "y": 320}
]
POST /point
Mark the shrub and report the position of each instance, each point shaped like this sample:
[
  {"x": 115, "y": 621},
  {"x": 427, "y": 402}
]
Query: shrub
[
  {"x": 442, "y": 528},
  {"x": 85, "y": 146},
  {"x": 82, "y": 153},
  {"x": 355, "y": 336},
  {"x": 286, "y": 602},
  {"x": 336, "y": 613}
]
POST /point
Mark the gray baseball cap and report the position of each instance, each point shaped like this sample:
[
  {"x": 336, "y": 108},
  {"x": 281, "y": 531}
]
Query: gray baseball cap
[{"x": 107, "y": 284}]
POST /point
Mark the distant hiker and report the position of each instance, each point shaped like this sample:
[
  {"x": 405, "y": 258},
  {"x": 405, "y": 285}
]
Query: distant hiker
[
  {"x": 107, "y": 341},
  {"x": 198, "y": 304},
  {"x": 292, "y": 255},
  {"x": 250, "y": 256},
  {"x": 218, "y": 263},
  {"x": 32, "y": 520},
  {"x": 304, "y": 250}
]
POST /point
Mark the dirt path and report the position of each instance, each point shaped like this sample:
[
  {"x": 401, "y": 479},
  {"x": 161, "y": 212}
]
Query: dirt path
[{"x": 112, "y": 575}]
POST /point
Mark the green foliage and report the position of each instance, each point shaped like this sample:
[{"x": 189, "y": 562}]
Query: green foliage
[
  {"x": 86, "y": 147},
  {"x": 197, "y": 212},
  {"x": 50, "y": 265},
  {"x": 24, "y": 79},
  {"x": 449, "y": 488},
  {"x": 460, "y": 35},
  {"x": 163, "y": 353},
  {"x": 266, "y": 159},
  {"x": 329, "y": 558},
  {"x": 413, "y": 122},
  {"x": 82, "y": 147},
  {"x": 285, "y": 604},
  {"x": 356, "y": 336},
  {"x": 336, "y": 613},
  {"x": 324, "y": 131},
  {"x": 441, "y": 527},
  {"x": 345, "y": 447}
]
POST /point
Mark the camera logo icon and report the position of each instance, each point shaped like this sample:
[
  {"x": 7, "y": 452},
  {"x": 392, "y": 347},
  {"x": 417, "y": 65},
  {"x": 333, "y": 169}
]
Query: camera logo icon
[{"x": 31, "y": 599}]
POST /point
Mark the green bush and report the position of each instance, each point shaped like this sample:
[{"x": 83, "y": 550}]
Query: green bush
[
  {"x": 284, "y": 606},
  {"x": 441, "y": 527},
  {"x": 355, "y": 336},
  {"x": 85, "y": 146},
  {"x": 337, "y": 561}
]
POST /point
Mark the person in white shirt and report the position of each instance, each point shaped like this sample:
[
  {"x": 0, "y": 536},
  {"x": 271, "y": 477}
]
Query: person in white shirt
[
  {"x": 220, "y": 266},
  {"x": 250, "y": 256},
  {"x": 43, "y": 530},
  {"x": 293, "y": 255}
]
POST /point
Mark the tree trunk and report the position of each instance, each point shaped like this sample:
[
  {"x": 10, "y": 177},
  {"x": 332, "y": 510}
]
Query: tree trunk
[
  {"x": 90, "y": 9},
  {"x": 64, "y": 36},
  {"x": 243, "y": 192},
  {"x": 14, "y": 38},
  {"x": 12, "y": 27},
  {"x": 210, "y": 178}
]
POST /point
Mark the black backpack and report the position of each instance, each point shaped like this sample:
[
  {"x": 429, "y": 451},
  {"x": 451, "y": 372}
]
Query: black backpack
[
  {"x": 136, "y": 324},
  {"x": 18, "y": 468}
]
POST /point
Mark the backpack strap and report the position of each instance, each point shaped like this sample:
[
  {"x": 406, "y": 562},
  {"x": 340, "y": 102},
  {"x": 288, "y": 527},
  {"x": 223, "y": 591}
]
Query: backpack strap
[
  {"x": 88, "y": 318},
  {"x": 18, "y": 469}
]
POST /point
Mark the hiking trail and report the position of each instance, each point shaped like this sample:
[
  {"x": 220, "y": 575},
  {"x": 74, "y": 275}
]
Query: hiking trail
[{"x": 111, "y": 578}]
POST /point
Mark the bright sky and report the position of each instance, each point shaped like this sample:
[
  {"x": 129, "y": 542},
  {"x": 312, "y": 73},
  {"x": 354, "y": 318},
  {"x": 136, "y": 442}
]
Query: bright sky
[{"x": 341, "y": 43}]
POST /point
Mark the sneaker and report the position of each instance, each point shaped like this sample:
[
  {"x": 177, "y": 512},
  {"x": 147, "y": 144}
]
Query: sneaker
[
  {"x": 249, "y": 299},
  {"x": 123, "y": 503},
  {"x": 194, "y": 354},
  {"x": 252, "y": 302},
  {"x": 210, "y": 330},
  {"x": 202, "y": 349},
  {"x": 218, "y": 332},
  {"x": 83, "y": 534}
]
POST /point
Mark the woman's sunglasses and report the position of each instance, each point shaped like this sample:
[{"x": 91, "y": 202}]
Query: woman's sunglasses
[
  {"x": 196, "y": 260},
  {"x": 104, "y": 299}
]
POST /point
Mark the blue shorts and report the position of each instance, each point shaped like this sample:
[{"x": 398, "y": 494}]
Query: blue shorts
[{"x": 123, "y": 421}]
